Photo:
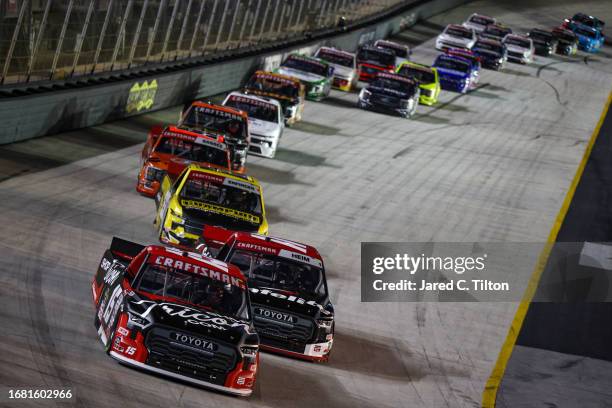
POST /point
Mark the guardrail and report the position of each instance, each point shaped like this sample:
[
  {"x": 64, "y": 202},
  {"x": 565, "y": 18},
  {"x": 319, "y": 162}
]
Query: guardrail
[{"x": 28, "y": 111}]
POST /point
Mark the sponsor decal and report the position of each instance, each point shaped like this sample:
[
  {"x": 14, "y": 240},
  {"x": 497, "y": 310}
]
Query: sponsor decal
[
  {"x": 201, "y": 140},
  {"x": 122, "y": 331},
  {"x": 307, "y": 60},
  {"x": 198, "y": 269},
  {"x": 141, "y": 96},
  {"x": 277, "y": 78},
  {"x": 218, "y": 112},
  {"x": 395, "y": 77},
  {"x": 105, "y": 264},
  {"x": 272, "y": 314},
  {"x": 301, "y": 258},
  {"x": 252, "y": 188},
  {"x": 200, "y": 175},
  {"x": 112, "y": 307},
  {"x": 291, "y": 298},
  {"x": 113, "y": 273},
  {"x": 252, "y": 101},
  {"x": 229, "y": 212},
  {"x": 193, "y": 341},
  {"x": 256, "y": 248}
]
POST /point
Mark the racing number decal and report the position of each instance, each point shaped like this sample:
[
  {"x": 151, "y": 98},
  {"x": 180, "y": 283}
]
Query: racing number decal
[{"x": 112, "y": 307}]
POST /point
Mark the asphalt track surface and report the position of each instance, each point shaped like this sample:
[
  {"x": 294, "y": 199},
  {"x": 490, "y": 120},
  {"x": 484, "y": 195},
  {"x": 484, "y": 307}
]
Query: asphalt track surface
[{"x": 493, "y": 165}]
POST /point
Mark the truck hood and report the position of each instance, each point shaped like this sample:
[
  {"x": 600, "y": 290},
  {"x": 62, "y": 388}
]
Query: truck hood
[
  {"x": 452, "y": 73},
  {"x": 289, "y": 301},
  {"x": 189, "y": 319},
  {"x": 389, "y": 92},
  {"x": 516, "y": 48},
  {"x": 341, "y": 71},
  {"x": 301, "y": 75},
  {"x": 263, "y": 128},
  {"x": 464, "y": 42}
]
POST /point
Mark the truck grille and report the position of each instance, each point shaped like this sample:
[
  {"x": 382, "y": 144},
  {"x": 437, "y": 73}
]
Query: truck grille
[
  {"x": 289, "y": 336},
  {"x": 193, "y": 227},
  {"x": 170, "y": 355}
]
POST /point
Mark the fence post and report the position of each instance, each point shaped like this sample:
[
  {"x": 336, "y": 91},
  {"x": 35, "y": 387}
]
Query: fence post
[
  {"x": 9, "y": 55},
  {"x": 60, "y": 42},
  {"x": 41, "y": 31},
  {"x": 137, "y": 33}
]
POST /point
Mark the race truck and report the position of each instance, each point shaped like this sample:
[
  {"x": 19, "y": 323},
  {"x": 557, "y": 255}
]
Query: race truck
[
  {"x": 586, "y": 20},
  {"x": 589, "y": 39},
  {"x": 287, "y": 90},
  {"x": 567, "y": 41},
  {"x": 478, "y": 22},
  {"x": 202, "y": 198},
  {"x": 314, "y": 73},
  {"x": 231, "y": 124},
  {"x": 495, "y": 32},
  {"x": 291, "y": 308},
  {"x": 371, "y": 60},
  {"x": 391, "y": 93},
  {"x": 455, "y": 73},
  {"x": 472, "y": 58},
  {"x": 427, "y": 78},
  {"x": 520, "y": 48},
  {"x": 456, "y": 36},
  {"x": 266, "y": 121},
  {"x": 346, "y": 73},
  {"x": 544, "y": 42},
  {"x": 176, "y": 314},
  {"x": 402, "y": 52},
  {"x": 492, "y": 53},
  {"x": 172, "y": 143}
]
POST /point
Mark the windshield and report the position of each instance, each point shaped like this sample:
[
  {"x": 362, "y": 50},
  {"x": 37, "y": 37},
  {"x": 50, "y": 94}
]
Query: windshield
[
  {"x": 336, "y": 58},
  {"x": 254, "y": 108},
  {"x": 387, "y": 83},
  {"x": 583, "y": 32},
  {"x": 536, "y": 35},
  {"x": 302, "y": 64},
  {"x": 498, "y": 32},
  {"x": 376, "y": 56},
  {"x": 223, "y": 197},
  {"x": 197, "y": 290},
  {"x": 517, "y": 41},
  {"x": 214, "y": 120},
  {"x": 452, "y": 64},
  {"x": 457, "y": 32},
  {"x": 280, "y": 273},
  {"x": 398, "y": 51},
  {"x": 270, "y": 84},
  {"x": 192, "y": 150},
  {"x": 564, "y": 36},
  {"x": 481, "y": 45},
  {"x": 421, "y": 74},
  {"x": 482, "y": 20}
]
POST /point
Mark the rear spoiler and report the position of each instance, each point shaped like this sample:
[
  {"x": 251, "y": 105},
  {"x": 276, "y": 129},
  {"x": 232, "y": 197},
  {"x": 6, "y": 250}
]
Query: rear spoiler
[{"x": 125, "y": 249}]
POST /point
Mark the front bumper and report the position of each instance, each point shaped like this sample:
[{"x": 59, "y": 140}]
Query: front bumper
[
  {"x": 379, "y": 107},
  {"x": 263, "y": 146},
  {"x": 461, "y": 87},
  {"x": 343, "y": 84},
  {"x": 520, "y": 58},
  {"x": 143, "y": 366},
  {"x": 445, "y": 45},
  {"x": 147, "y": 188},
  {"x": 318, "y": 352}
]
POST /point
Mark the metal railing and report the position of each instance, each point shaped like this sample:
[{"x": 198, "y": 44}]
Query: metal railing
[{"x": 59, "y": 39}]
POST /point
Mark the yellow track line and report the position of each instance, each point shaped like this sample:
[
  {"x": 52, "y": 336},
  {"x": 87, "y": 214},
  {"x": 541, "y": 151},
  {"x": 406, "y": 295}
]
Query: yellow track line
[{"x": 490, "y": 392}]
